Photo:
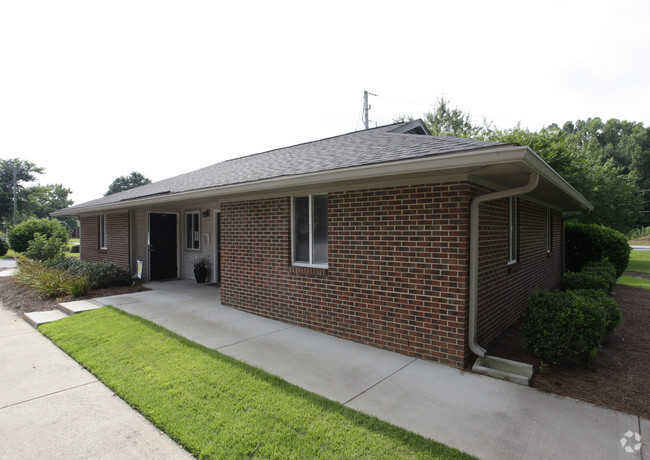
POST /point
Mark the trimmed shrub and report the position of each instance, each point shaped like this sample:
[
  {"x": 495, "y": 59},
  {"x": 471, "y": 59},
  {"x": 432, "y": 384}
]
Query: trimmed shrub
[
  {"x": 584, "y": 280},
  {"x": 603, "y": 268},
  {"x": 609, "y": 305},
  {"x": 99, "y": 274},
  {"x": 592, "y": 243},
  {"x": 563, "y": 327},
  {"x": 22, "y": 234},
  {"x": 4, "y": 245},
  {"x": 42, "y": 249},
  {"x": 75, "y": 249}
]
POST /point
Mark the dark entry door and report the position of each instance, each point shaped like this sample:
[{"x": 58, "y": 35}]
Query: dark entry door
[
  {"x": 163, "y": 252},
  {"x": 218, "y": 248}
]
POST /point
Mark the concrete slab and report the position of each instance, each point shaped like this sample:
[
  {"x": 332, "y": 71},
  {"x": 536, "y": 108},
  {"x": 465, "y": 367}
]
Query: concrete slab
[
  {"x": 644, "y": 426},
  {"x": 8, "y": 272},
  {"x": 493, "y": 419},
  {"x": 36, "y": 318},
  {"x": 77, "y": 306},
  {"x": 34, "y": 366},
  {"x": 11, "y": 324},
  {"x": 217, "y": 327},
  {"x": 335, "y": 368},
  {"x": 158, "y": 304},
  {"x": 52, "y": 408},
  {"x": 81, "y": 423}
]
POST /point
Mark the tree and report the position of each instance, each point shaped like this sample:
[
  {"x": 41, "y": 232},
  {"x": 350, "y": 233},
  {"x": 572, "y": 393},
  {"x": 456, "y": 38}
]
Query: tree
[
  {"x": 612, "y": 192},
  {"x": 122, "y": 183},
  {"x": 25, "y": 172},
  {"x": 625, "y": 143},
  {"x": 23, "y": 233},
  {"x": 608, "y": 163}
]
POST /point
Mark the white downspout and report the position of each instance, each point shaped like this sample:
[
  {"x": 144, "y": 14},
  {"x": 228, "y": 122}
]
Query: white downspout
[{"x": 473, "y": 251}]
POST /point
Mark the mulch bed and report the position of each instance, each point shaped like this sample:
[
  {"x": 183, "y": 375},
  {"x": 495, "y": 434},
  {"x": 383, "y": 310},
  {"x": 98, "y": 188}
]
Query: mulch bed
[
  {"x": 20, "y": 299},
  {"x": 620, "y": 376}
]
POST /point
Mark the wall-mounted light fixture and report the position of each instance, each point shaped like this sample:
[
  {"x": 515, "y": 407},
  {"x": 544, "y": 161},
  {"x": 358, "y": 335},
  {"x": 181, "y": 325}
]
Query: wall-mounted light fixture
[{"x": 206, "y": 213}]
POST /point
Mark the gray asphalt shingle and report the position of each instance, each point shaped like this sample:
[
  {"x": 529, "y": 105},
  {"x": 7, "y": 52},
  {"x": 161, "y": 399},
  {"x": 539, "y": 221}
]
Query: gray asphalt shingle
[{"x": 373, "y": 146}]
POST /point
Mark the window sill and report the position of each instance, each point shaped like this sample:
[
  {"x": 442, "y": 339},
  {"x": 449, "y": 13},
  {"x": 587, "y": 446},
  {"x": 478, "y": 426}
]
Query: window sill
[
  {"x": 514, "y": 267},
  {"x": 316, "y": 270}
]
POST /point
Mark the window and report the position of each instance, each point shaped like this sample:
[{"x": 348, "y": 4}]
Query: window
[
  {"x": 549, "y": 230},
  {"x": 309, "y": 230},
  {"x": 192, "y": 230},
  {"x": 512, "y": 230},
  {"x": 102, "y": 232}
]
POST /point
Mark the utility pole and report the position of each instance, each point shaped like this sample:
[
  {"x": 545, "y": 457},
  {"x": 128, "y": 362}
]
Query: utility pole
[
  {"x": 16, "y": 168},
  {"x": 366, "y": 108}
]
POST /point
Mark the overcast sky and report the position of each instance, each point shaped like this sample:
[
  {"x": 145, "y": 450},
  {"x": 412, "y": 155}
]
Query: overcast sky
[{"x": 93, "y": 90}]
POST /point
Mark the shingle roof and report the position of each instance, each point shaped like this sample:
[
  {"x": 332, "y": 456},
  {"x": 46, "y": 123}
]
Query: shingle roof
[{"x": 360, "y": 148}]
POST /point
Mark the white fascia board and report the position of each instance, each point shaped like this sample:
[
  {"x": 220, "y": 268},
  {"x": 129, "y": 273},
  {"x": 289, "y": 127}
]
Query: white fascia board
[{"x": 545, "y": 170}]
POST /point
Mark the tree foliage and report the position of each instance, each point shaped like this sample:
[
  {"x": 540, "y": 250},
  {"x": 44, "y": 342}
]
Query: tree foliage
[
  {"x": 21, "y": 235},
  {"x": 607, "y": 162},
  {"x": 32, "y": 200},
  {"x": 122, "y": 183}
]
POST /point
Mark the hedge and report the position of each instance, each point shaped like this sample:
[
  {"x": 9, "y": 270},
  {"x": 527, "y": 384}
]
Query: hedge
[
  {"x": 565, "y": 327},
  {"x": 586, "y": 243},
  {"x": 23, "y": 233},
  {"x": 100, "y": 274}
]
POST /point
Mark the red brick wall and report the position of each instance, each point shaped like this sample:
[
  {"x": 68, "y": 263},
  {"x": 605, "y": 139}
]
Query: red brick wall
[
  {"x": 397, "y": 276},
  {"x": 504, "y": 290},
  {"x": 117, "y": 239}
]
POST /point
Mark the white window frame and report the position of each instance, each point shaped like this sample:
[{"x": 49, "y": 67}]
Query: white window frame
[
  {"x": 103, "y": 232},
  {"x": 195, "y": 232},
  {"x": 311, "y": 233},
  {"x": 512, "y": 230}
]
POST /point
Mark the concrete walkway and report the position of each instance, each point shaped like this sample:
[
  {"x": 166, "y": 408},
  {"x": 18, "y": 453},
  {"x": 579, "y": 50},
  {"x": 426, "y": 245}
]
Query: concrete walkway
[
  {"x": 51, "y": 408},
  {"x": 488, "y": 418}
]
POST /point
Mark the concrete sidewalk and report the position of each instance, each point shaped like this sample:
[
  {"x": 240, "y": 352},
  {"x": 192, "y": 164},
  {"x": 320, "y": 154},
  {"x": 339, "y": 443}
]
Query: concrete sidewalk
[
  {"x": 51, "y": 408},
  {"x": 488, "y": 418}
]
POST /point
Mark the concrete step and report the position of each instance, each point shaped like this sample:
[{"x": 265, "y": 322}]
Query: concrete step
[
  {"x": 504, "y": 369},
  {"x": 36, "y": 318},
  {"x": 77, "y": 306}
]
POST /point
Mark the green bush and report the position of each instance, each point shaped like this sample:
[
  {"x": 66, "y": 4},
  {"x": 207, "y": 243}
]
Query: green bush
[
  {"x": 42, "y": 249},
  {"x": 603, "y": 268},
  {"x": 592, "y": 243},
  {"x": 563, "y": 327},
  {"x": 50, "y": 282},
  {"x": 610, "y": 306},
  {"x": 584, "y": 280},
  {"x": 99, "y": 274},
  {"x": 22, "y": 234},
  {"x": 4, "y": 245}
]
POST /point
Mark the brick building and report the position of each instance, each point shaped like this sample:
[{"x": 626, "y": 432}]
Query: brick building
[{"x": 418, "y": 244}]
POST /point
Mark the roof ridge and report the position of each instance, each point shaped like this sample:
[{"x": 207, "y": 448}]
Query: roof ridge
[{"x": 383, "y": 127}]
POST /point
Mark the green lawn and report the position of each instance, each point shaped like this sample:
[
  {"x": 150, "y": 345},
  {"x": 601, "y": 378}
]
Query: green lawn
[
  {"x": 217, "y": 407},
  {"x": 634, "y": 282},
  {"x": 639, "y": 263}
]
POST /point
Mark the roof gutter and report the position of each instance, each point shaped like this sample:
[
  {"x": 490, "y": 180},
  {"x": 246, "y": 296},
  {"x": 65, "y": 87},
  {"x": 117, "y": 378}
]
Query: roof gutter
[{"x": 473, "y": 251}]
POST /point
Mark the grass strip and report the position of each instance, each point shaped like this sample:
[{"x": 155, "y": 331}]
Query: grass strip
[
  {"x": 634, "y": 282},
  {"x": 217, "y": 407},
  {"x": 639, "y": 262}
]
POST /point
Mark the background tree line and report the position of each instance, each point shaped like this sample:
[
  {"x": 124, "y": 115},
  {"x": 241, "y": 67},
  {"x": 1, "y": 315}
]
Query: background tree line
[
  {"x": 607, "y": 162},
  {"x": 38, "y": 201}
]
